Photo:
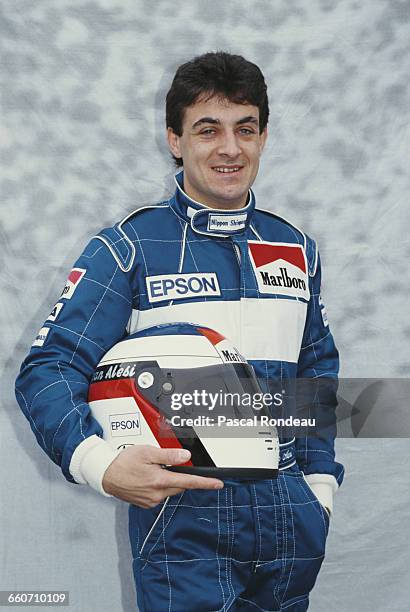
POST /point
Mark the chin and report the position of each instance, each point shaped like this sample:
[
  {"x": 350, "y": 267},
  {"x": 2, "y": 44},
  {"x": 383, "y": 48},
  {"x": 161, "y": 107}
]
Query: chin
[{"x": 231, "y": 201}]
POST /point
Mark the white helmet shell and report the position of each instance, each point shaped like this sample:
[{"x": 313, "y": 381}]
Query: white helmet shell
[{"x": 133, "y": 396}]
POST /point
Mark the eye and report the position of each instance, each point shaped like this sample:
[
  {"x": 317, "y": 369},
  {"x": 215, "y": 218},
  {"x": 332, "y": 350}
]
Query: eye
[
  {"x": 246, "y": 131},
  {"x": 208, "y": 131}
]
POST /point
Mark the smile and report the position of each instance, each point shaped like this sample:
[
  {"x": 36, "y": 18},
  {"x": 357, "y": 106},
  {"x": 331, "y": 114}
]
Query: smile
[{"x": 226, "y": 169}]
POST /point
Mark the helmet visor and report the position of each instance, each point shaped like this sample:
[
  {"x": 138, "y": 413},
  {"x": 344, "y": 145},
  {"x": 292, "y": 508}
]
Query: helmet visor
[{"x": 229, "y": 390}]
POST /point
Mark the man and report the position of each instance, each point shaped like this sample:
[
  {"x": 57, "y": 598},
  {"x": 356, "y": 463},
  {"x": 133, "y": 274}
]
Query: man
[{"x": 254, "y": 546}]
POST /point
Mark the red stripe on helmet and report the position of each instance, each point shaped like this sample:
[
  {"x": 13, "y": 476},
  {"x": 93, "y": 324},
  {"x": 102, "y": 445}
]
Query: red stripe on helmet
[
  {"x": 213, "y": 336},
  {"x": 110, "y": 389}
]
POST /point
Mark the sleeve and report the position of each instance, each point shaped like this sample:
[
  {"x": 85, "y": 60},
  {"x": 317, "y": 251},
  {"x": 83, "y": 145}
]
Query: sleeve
[
  {"x": 318, "y": 366},
  {"x": 52, "y": 386}
]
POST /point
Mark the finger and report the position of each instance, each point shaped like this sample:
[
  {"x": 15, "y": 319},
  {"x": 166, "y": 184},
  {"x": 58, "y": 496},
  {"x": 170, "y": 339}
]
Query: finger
[
  {"x": 187, "y": 481},
  {"x": 167, "y": 456}
]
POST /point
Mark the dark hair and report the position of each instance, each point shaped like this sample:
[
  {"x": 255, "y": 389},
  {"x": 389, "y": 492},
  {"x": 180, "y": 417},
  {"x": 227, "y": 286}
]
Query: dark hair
[{"x": 215, "y": 74}]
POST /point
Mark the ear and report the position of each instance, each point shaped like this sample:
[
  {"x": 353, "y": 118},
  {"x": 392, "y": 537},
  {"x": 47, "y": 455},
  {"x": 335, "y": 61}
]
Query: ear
[
  {"x": 263, "y": 138},
  {"x": 173, "y": 143}
]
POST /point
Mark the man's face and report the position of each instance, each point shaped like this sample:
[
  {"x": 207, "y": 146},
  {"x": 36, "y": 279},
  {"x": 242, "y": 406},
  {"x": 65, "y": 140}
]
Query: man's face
[{"x": 220, "y": 146}]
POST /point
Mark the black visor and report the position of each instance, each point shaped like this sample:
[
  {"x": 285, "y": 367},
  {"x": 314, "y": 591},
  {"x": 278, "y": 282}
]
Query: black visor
[{"x": 223, "y": 389}]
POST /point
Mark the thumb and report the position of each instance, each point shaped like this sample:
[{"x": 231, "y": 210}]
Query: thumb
[{"x": 169, "y": 456}]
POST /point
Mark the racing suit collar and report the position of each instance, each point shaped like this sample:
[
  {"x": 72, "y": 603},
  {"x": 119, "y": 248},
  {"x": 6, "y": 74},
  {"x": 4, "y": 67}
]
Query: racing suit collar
[{"x": 210, "y": 221}]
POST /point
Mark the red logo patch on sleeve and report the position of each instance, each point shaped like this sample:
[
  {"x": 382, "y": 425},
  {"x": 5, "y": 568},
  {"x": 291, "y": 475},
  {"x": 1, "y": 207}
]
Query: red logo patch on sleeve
[{"x": 72, "y": 283}]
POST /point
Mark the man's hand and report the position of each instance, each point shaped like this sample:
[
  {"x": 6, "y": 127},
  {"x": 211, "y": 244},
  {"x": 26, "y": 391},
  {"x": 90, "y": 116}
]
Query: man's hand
[{"x": 137, "y": 476}]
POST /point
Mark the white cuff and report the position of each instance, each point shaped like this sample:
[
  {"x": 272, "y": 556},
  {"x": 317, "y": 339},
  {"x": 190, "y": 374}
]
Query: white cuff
[
  {"x": 90, "y": 460},
  {"x": 323, "y": 486}
]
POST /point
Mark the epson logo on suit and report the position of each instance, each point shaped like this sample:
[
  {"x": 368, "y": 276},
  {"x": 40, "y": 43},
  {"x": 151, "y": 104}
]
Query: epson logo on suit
[{"x": 179, "y": 286}]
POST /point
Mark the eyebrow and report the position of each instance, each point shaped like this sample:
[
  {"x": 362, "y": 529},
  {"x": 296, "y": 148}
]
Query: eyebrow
[{"x": 213, "y": 121}]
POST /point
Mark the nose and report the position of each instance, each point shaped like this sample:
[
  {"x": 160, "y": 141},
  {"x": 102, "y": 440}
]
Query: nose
[{"x": 228, "y": 145}]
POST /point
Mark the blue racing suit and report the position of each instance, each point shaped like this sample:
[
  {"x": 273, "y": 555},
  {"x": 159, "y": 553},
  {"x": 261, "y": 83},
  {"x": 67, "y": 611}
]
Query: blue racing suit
[{"x": 255, "y": 278}]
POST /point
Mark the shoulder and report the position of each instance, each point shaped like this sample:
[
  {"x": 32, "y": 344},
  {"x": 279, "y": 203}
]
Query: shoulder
[
  {"x": 273, "y": 227},
  {"x": 120, "y": 237}
]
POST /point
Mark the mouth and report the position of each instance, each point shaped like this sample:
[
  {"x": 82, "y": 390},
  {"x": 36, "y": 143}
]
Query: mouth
[{"x": 227, "y": 169}]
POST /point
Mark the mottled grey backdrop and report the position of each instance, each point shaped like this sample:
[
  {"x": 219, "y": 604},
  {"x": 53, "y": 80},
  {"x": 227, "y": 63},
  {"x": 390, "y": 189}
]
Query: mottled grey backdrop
[{"x": 82, "y": 143}]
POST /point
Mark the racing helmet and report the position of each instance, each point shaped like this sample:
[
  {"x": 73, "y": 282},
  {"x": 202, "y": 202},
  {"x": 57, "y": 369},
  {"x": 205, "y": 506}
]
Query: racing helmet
[{"x": 180, "y": 385}]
